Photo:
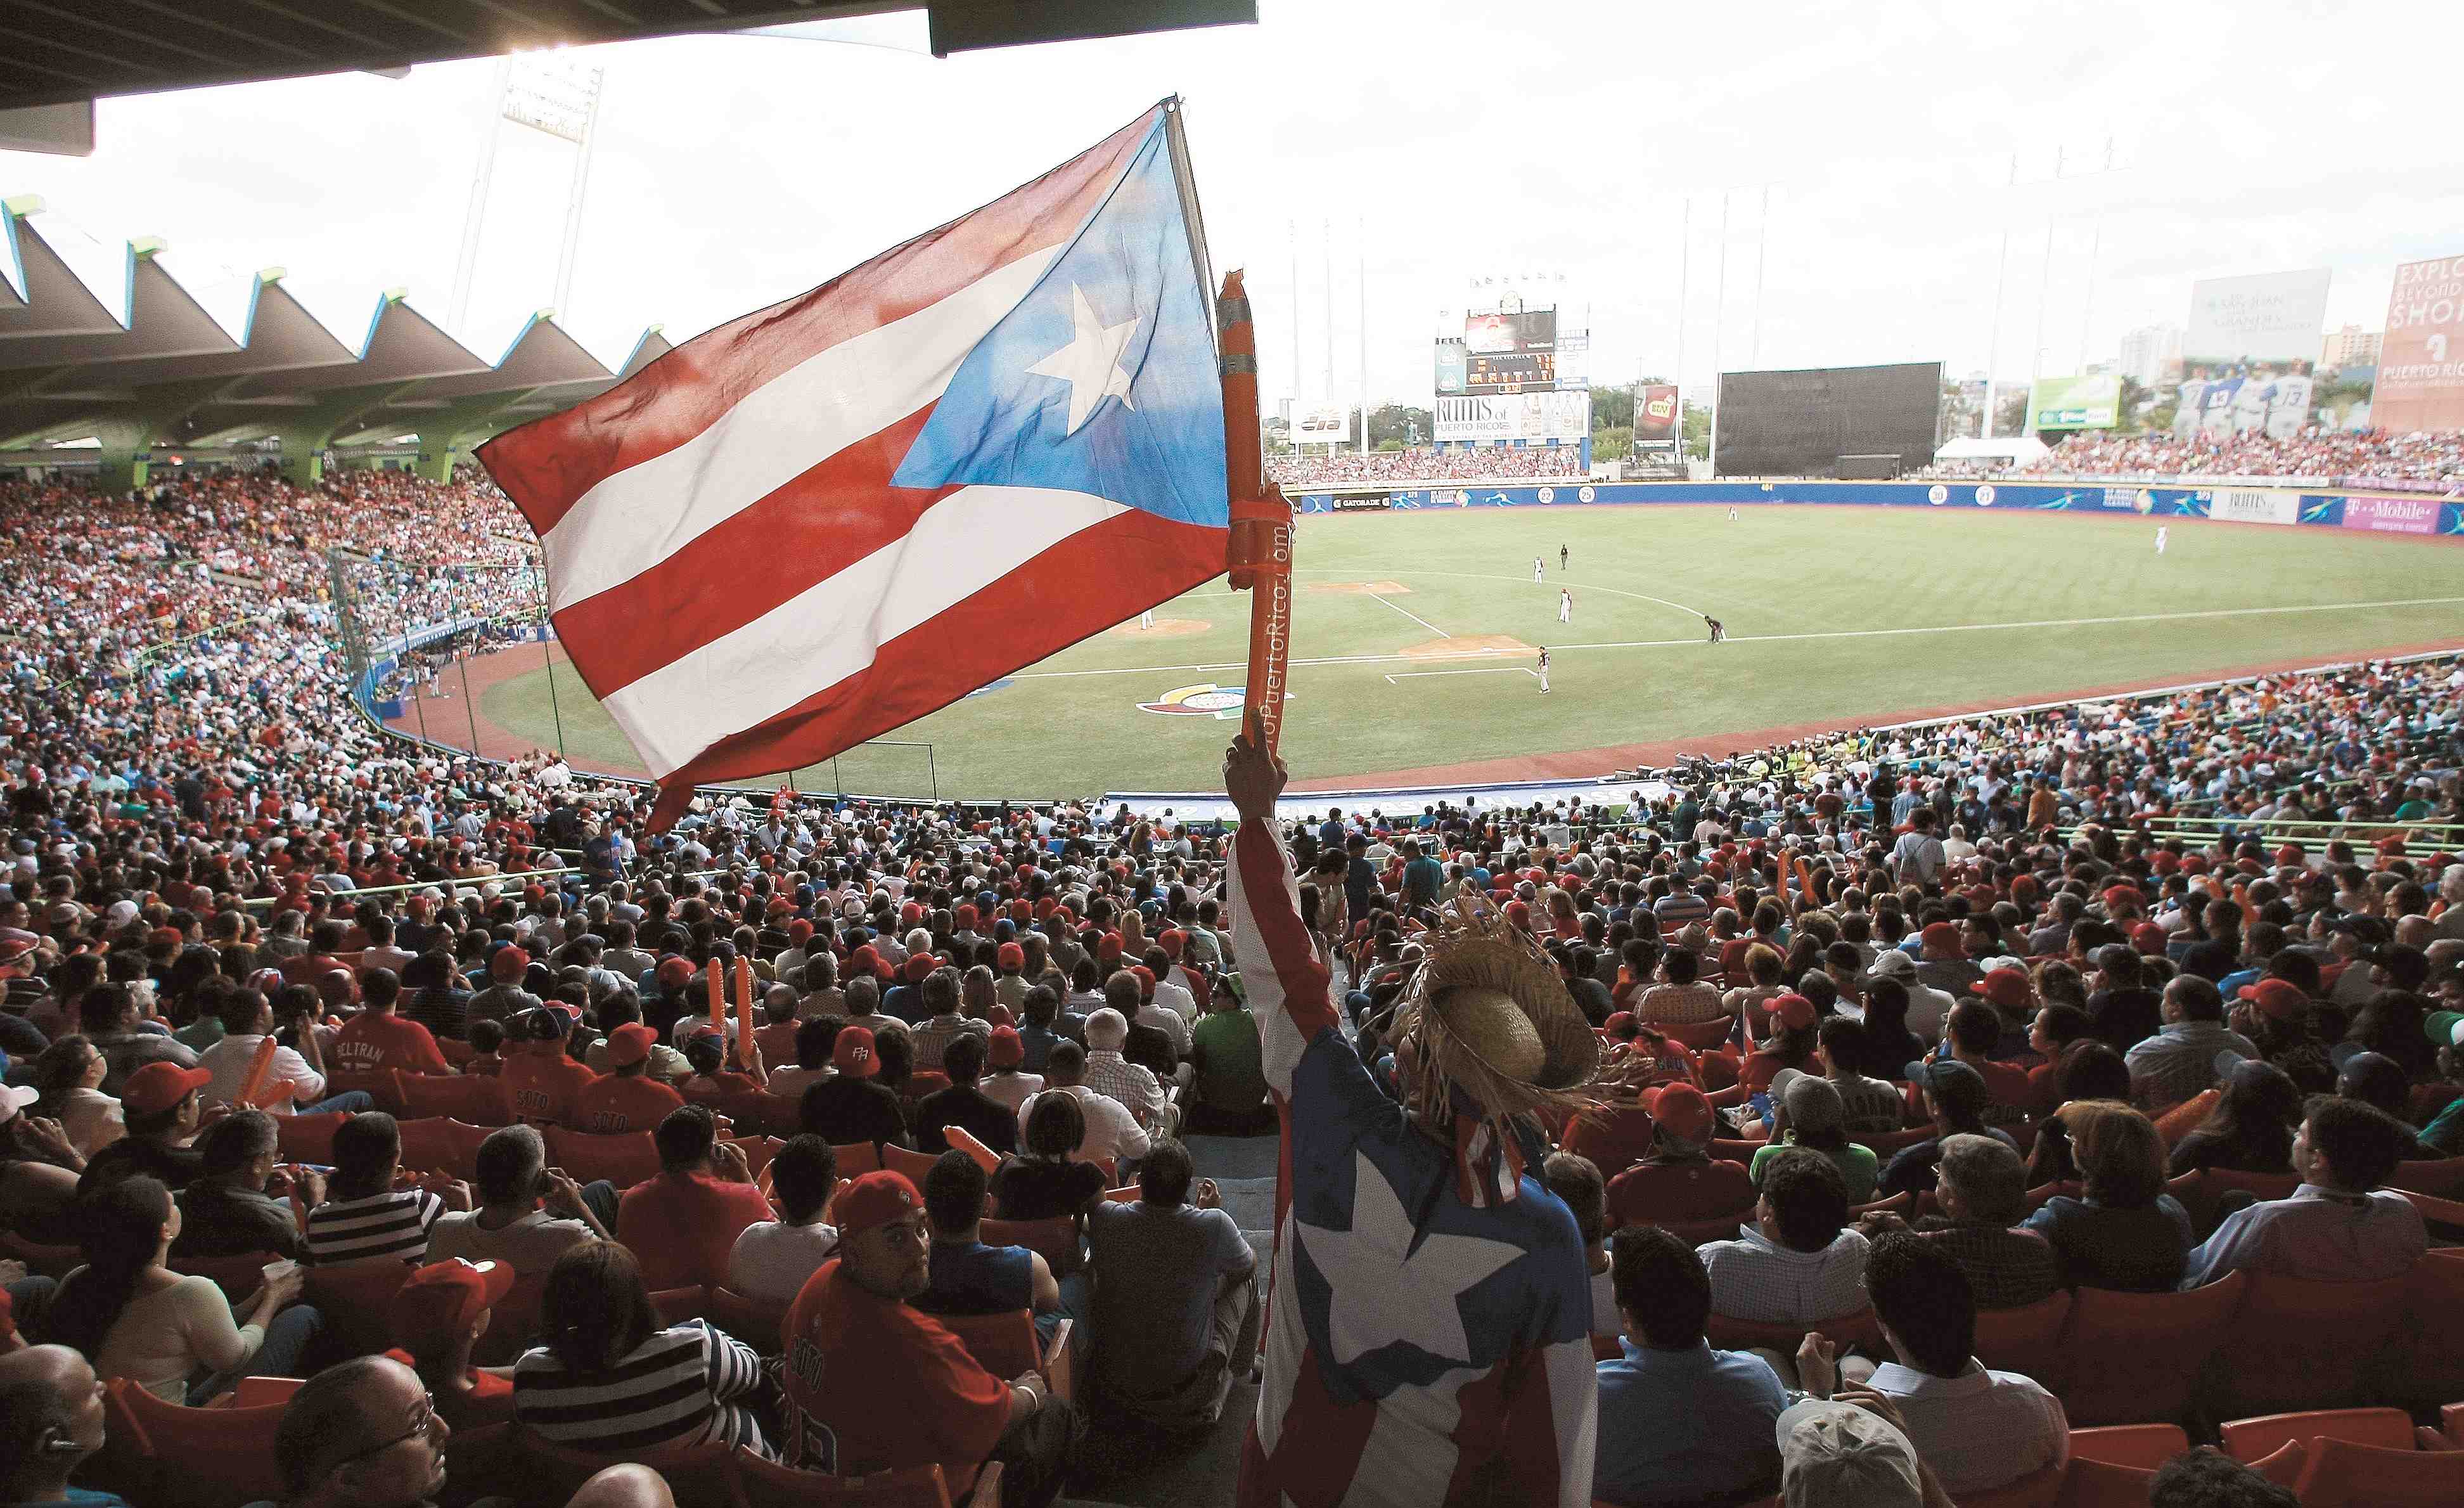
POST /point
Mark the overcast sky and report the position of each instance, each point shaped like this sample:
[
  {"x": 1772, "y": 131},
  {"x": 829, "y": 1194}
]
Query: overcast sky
[{"x": 1445, "y": 141}]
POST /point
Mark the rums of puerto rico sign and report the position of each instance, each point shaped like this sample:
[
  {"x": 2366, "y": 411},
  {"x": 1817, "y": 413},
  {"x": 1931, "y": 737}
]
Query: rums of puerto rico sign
[
  {"x": 2392, "y": 515},
  {"x": 2253, "y": 505}
]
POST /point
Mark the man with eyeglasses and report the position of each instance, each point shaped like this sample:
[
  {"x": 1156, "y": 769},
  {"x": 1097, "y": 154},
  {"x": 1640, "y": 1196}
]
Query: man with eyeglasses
[
  {"x": 875, "y": 1383},
  {"x": 365, "y": 1434}
]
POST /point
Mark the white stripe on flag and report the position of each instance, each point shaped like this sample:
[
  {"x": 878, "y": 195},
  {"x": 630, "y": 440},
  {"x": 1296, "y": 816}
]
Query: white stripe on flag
[
  {"x": 830, "y": 632},
  {"x": 632, "y": 520}
]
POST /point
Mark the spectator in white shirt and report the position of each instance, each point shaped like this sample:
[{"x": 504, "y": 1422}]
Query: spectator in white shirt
[
  {"x": 815, "y": 1038},
  {"x": 1169, "y": 994},
  {"x": 1977, "y": 1428},
  {"x": 772, "y": 1259},
  {"x": 1008, "y": 1083},
  {"x": 1110, "y": 1073},
  {"x": 1111, "y": 1131},
  {"x": 1800, "y": 1263},
  {"x": 247, "y": 1017},
  {"x": 2339, "y": 1226}
]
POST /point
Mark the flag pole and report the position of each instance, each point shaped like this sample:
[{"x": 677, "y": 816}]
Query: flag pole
[{"x": 1260, "y": 553}]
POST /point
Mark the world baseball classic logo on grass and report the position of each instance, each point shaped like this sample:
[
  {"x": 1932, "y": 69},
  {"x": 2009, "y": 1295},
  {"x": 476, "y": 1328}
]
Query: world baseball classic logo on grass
[{"x": 1207, "y": 700}]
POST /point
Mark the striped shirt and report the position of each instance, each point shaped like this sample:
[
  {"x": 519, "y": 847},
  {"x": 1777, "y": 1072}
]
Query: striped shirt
[
  {"x": 393, "y": 1224},
  {"x": 690, "y": 1385}
]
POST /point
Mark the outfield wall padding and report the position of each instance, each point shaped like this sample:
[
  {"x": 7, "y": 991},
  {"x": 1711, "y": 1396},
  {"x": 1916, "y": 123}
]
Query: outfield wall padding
[{"x": 2418, "y": 513}]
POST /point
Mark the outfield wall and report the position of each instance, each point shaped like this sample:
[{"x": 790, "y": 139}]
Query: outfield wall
[{"x": 2377, "y": 512}]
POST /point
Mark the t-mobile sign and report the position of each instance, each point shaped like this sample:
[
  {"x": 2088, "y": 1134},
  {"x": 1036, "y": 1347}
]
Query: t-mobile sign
[{"x": 2392, "y": 515}]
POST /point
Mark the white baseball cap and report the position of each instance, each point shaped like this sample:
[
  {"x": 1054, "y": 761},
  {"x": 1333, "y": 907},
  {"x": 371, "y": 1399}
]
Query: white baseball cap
[{"x": 1837, "y": 1456}]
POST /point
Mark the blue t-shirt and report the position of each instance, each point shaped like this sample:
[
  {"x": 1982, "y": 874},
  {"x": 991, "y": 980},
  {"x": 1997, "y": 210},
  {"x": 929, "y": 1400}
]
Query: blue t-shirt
[
  {"x": 1686, "y": 1425},
  {"x": 979, "y": 1279}
]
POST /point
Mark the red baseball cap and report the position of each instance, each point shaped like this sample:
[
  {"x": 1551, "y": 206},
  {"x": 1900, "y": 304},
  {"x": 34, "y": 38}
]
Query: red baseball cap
[
  {"x": 2004, "y": 986},
  {"x": 507, "y": 964},
  {"x": 875, "y": 1199},
  {"x": 1681, "y": 1109},
  {"x": 1010, "y": 956},
  {"x": 159, "y": 1086},
  {"x": 2280, "y": 999},
  {"x": 1006, "y": 1050},
  {"x": 2148, "y": 939},
  {"x": 853, "y": 1055},
  {"x": 631, "y": 1044},
  {"x": 1940, "y": 934},
  {"x": 1795, "y": 1011},
  {"x": 438, "y": 1302}
]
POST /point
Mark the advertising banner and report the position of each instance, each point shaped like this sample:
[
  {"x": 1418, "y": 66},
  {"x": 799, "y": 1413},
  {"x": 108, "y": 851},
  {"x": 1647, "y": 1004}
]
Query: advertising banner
[
  {"x": 1655, "y": 412},
  {"x": 1515, "y": 417},
  {"x": 1574, "y": 358},
  {"x": 1322, "y": 424},
  {"x": 1450, "y": 367},
  {"x": 2421, "y": 361},
  {"x": 2392, "y": 515},
  {"x": 2075, "y": 403},
  {"x": 2247, "y": 360},
  {"x": 2255, "y": 505}
]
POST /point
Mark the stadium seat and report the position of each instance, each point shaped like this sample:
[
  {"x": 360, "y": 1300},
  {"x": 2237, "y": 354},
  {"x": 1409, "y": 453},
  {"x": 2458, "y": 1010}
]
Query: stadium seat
[
  {"x": 379, "y": 1086},
  {"x": 2027, "y": 1340},
  {"x": 308, "y": 1138},
  {"x": 856, "y": 1159},
  {"x": 2429, "y": 1099},
  {"x": 166, "y": 1455},
  {"x": 749, "y": 1319},
  {"x": 2445, "y": 1218},
  {"x": 1901, "y": 1204},
  {"x": 622, "y": 1160},
  {"x": 2099, "y": 1484},
  {"x": 2214, "y": 1182},
  {"x": 238, "y": 1277},
  {"x": 1885, "y": 1143},
  {"x": 2343, "y": 1475},
  {"x": 2066, "y": 1188},
  {"x": 1056, "y": 1239},
  {"x": 915, "y": 1165},
  {"x": 923, "y": 1081},
  {"x": 48, "y": 1261},
  {"x": 473, "y": 1100},
  {"x": 1726, "y": 1333},
  {"x": 2145, "y": 1446},
  {"x": 757, "y": 1482},
  {"x": 442, "y": 1145},
  {"x": 455, "y": 1052},
  {"x": 696, "y": 1472},
  {"x": 2135, "y": 1358},
  {"x": 2038, "y": 1489},
  {"x": 2440, "y": 1178},
  {"x": 1699, "y": 1034},
  {"x": 2248, "y": 1440},
  {"x": 2297, "y": 1345},
  {"x": 676, "y": 1305},
  {"x": 2433, "y": 1373},
  {"x": 357, "y": 1301},
  {"x": 512, "y": 1325},
  {"x": 757, "y": 1152}
]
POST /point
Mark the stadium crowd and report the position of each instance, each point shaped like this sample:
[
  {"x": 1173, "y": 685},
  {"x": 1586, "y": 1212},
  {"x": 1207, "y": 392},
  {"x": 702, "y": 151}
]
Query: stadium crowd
[
  {"x": 1347, "y": 468},
  {"x": 847, "y": 1138},
  {"x": 2431, "y": 461}
]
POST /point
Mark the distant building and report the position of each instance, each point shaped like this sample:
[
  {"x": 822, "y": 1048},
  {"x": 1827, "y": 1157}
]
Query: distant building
[
  {"x": 2152, "y": 354},
  {"x": 2350, "y": 346}
]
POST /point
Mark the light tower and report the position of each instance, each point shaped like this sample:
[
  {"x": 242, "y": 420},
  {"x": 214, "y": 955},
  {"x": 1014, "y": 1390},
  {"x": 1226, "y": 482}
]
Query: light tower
[{"x": 557, "y": 95}]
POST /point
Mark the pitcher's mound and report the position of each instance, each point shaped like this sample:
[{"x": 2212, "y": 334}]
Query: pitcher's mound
[
  {"x": 1382, "y": 589},
  {"x": 1487, "y": 645},
  {"x": 1164, "y": 629}
]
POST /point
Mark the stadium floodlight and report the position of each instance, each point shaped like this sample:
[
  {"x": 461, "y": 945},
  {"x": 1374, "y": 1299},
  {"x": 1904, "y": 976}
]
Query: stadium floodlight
[{"x": 558, "y": 96}]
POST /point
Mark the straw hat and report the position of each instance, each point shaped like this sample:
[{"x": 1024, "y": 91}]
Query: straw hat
[{"x": 1491, "y": 1016}]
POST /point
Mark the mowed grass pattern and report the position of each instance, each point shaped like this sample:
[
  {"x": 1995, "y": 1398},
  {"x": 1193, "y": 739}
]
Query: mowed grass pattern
[{"x": 1834, "y": 615}]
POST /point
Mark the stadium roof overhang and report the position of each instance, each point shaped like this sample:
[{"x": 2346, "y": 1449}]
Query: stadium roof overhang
[
  {"x": 52, "y": 55},
  {"x": 100, "y": 344}
]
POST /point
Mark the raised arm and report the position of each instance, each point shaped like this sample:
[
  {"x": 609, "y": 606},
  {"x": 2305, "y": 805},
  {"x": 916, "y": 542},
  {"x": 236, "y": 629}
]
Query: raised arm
[{"x": 1287, "y": 984}]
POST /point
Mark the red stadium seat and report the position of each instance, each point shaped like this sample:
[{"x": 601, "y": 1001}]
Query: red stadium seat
[
  {"x": 2248, "y": 1440},
  {"x": 2343, "y": 1475},
  {"x": 623, "y": 1160},
  {"x": 308, "y": 1138},
  {"x": 357, "y": 1301},
  {"x": 442, "y": 1145},
  {"x": 915, "y": 1165},
  {"x": 472, "y": 1099},
  {"x": 2296, "y": 1344},
  {"x": 696, "y": 1474},
  {"x": 2098, "y": 1484},
  {"x": 751, "y": 1320},
  {"x": 1728, "y": 1333},
  {"x": 2135, "y": 1358},
  {"x": 2435, "y": 1332},
  {"x": 238, "y": 1277},
  {"x": 2145, "y": 1446},
  {"x": 2038, "y": 1489},
  {"x": 166, "y": 1455},
  {"x": 676, "y": 1305},
  {"x": 1055, "y": 1238},
  {"x": 1699, "y": 1034},
  {"x": 1006, "y": 1344},
  {"x": 2027, "y": 1340},
  {"x": 856, "y": 1159}
]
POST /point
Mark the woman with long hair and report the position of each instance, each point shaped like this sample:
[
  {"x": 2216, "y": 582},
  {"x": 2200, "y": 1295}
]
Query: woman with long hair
[
  {"x": 173, "y": 1335},
  {"x": 2123, "y": 1230},
  {"x": 2087, "y": 1069},
  {"x": 608, "y": 1377},
  {"x": 69, "y": 1075},
  {"x": 2250, "y": 1128},
  {"x": 1890, "y": 1047}
]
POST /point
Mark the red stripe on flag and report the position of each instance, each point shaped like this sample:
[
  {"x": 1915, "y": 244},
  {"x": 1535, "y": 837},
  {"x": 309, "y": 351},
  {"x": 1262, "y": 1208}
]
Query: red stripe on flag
[
  {"x": 1086, "y": 583},
  {"x": 546, "y": 465},
  {"x": 805, "y": 533},
  {"x": 1317, "y": 1451}
]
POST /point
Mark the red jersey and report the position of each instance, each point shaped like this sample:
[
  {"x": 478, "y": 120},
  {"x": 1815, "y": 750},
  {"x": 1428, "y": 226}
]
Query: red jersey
[
  {"x": 372, "y": 1042},
  {"x": 878, "y": 1386},
  {"x": 608, "y": 1105},
  {"x": 543, "y": 1083},
  {"x": 682, "y": 1229}
]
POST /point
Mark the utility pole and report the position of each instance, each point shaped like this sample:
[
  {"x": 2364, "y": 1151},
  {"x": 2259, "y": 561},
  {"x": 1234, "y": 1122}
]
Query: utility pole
[{"x": 1719, "y": 313}]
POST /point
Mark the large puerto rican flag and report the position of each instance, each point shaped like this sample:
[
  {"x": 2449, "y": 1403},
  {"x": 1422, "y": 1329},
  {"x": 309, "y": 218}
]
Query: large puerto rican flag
[{"x": 826, "y": 518}]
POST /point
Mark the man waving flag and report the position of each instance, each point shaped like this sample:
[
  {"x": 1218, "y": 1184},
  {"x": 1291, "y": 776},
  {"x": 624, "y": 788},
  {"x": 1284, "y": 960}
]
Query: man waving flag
[{"x": 826, "y": 518}]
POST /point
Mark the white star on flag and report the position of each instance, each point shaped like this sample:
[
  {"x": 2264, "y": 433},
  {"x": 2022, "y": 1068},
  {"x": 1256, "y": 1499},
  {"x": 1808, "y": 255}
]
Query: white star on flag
[
  {"x": 1384, "y": 1290},
  {"x": 1091, "y": 364}
]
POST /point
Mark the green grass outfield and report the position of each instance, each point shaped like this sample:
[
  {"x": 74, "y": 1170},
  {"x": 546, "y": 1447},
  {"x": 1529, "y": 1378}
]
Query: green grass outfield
[{"x": 1834, "y": 615}]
